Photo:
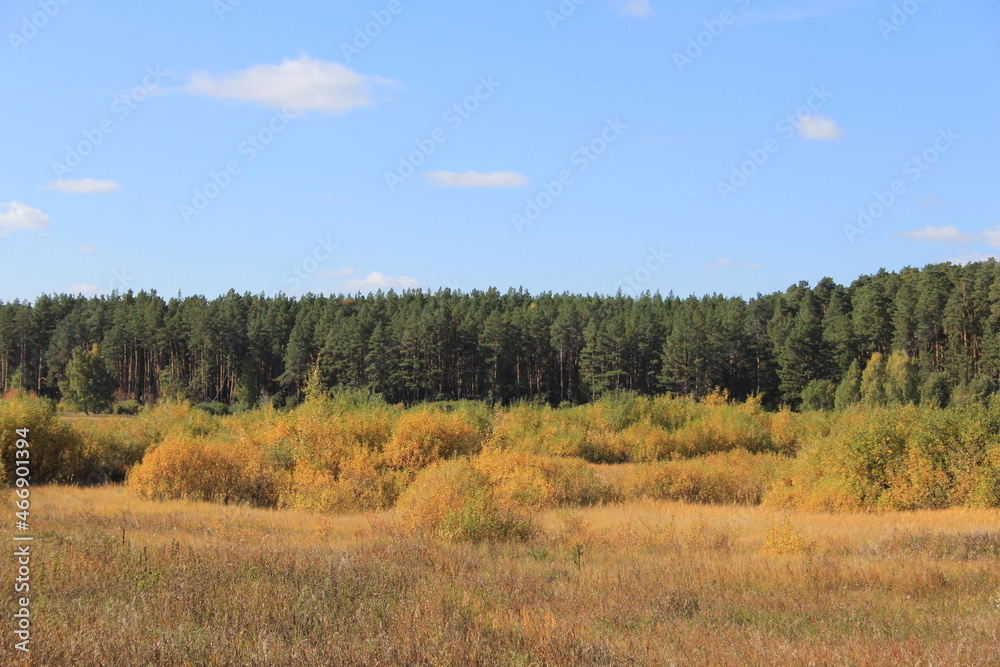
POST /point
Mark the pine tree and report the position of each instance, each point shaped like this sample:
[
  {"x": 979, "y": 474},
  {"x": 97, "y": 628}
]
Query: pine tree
[
  {"x": 89, "y": 384},
  {"x": 800, "y": 358}
]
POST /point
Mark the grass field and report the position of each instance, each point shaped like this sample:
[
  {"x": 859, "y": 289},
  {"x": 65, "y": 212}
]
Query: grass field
[{"x": 118, "y": 580}]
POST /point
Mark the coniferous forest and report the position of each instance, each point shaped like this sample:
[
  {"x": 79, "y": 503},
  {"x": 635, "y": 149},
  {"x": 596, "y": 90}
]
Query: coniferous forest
[{"x": 933, "y": 333}]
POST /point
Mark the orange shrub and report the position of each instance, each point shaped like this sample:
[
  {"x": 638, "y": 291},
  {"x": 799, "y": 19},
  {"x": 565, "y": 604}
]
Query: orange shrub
[{"x": 212, "y": 470}]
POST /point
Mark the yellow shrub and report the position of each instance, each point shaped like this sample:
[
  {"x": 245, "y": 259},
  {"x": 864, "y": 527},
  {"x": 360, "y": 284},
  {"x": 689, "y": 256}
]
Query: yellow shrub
[
  {"x": 783, "y": 432},
  {"x": 645, "y": 441},
  {"x": 360, "y": 487},
  {"x": 54, "y": 448},
  {"x": 731, "y": 477},
  {"x": 451, "y": 500},
  {"x": 421, "y": 437},
  {"x": 538, "y": 481},
  {"x": 108, "y": 449},
  {"x": 200, "y": 469},
  {"x": 784, "y": 539}
]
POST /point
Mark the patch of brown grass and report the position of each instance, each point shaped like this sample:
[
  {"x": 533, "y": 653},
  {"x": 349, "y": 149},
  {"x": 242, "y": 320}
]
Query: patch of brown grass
[{"x": 647, "y": 582}]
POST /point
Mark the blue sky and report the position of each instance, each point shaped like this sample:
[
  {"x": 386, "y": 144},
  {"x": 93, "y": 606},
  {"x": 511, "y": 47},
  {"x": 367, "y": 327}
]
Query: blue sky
[{"x": 733, "y": 146}]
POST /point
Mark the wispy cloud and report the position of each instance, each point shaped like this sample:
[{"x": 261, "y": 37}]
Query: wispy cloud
[
  {"x": 375, "y": 281},
  {"x": 971, "y": 256},
  {"x": 818, "y": 128},
  {"x": 952, "y": 234},
  {"x": 930, "y": 202},
  {"x": 475, "y": 179},
  {"x": 304, "y": 84},
  {"x": 15, "y": 216},
  {"x": 727, "y": 263},
  {"x": 85, "y": 288},
  {"x": 83, "y": 186},
  {"x": 638, "y": 8}
]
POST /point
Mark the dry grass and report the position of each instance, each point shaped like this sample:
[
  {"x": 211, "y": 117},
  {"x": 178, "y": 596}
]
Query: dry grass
[{"x": 647, "y": 582}]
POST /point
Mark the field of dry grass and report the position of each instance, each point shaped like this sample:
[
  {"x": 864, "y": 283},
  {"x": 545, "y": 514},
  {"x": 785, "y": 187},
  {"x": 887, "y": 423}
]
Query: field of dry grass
[{"x": 122, "y": 581}]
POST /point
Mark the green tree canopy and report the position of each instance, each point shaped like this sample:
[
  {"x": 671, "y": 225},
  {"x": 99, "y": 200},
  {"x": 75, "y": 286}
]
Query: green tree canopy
[{"x": 89, "y": 384}]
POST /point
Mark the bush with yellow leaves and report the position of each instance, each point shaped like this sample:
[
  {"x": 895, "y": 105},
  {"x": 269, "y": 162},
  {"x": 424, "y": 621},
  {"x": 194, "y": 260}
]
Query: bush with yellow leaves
[
  {"x": 359, "y": 486},
  {"x": 423, "y": 435},
  {"x": 453, "y": 501},
  {"x": 736, "y": 477},
  {"x": 536, "y": 481},
  {"x": 206, "y": 469},
  {"x": 54, "y": 449}
]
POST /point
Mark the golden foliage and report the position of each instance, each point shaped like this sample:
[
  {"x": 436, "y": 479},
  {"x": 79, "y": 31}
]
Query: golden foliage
[
  {"x": 200, "y": 469},
  {"x": 736, "y": 477},
  {"x": 422, "y": 436},
  {"x": 452, "y": 500}
]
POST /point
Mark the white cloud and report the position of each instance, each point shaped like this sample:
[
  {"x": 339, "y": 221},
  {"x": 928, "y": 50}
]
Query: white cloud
[
  {"x": 375, "y": 281},
  {"x": 969, "y": 257},
  {"x": 83, "y": 186},
  {"x": 638, "y": 8},
  {"x": 475, "y": 179},
  {"x": 949, "y": 234},
  {"x": 991, "y": 237},
  {"x": 339, "y": 273},
  {"x": 90, "y": 247},
  {"x": 15, "y": 215},
  {"x": 726, "y": 263},
  {"x": 305, "y": 84},
  {"x": 85, "y": 288},
  {"x": 819, "y": 128},
  {"x": 952, "y": 234}
]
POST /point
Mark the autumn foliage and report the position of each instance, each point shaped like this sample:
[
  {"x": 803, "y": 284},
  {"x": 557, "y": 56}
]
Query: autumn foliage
[{"x": 494, "y": 466}]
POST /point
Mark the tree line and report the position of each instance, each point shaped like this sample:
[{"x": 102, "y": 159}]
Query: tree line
[{"x": 941, "y": 324}]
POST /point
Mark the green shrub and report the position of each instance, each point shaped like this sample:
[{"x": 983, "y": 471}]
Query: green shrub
[
  {"x": 819, "y": 395},
  {"x": 129, "y": 407},
  {"x": 215, "y": 409}
]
